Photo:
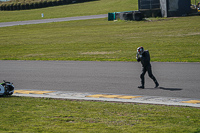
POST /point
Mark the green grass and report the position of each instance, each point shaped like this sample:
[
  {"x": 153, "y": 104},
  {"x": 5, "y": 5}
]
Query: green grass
[
  {"x": 81, "y": 9},
  {"x": 167, "y": 39},
  {"x": 21, "y": 114}
]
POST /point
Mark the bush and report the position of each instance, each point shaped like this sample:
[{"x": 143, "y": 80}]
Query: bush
[
  {"x": 44, "y": 4},
  {"x": 15, "y": 6},
  {"x": 54, "y": 3},
  {"x": 7, "y": 7},
  {"x": 18, "y": 6},
  {"x": 40, "y": 4},
  {"x": 22, "y": 6},
  {"x": 31, "y": 5},
  {"x": 1, "y": 7},
  {"x": 27, "y": 4}
]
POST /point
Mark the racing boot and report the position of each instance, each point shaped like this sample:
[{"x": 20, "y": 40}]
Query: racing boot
[
  {"x": 157, "y": 84},
  {"x": 141, "y": 87}
]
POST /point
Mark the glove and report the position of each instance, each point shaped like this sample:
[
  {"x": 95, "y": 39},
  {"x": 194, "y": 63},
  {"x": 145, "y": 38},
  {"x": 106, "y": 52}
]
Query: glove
[{"x": 137, "y": 56}]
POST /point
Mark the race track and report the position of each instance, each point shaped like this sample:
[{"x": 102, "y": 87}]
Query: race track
[
  {"x": 176, "y": 79},
  {"x": 6, "y": 24}
]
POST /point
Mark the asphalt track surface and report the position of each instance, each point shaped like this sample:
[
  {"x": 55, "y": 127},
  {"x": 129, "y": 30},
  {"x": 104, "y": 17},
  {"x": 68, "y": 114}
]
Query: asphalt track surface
[
  {"x": 176, "y": 79},
  {"x": 6, "y": 24}
]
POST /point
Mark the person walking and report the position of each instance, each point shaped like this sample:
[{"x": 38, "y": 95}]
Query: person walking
[{"x": 144, "y": 57}]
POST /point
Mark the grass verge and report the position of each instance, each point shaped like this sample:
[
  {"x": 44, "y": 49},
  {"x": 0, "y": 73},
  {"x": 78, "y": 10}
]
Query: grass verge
[
  {"x": 22, "y": 114},
  {"x": 71, "y": 10},
  {"x": 167, "y": 39}
]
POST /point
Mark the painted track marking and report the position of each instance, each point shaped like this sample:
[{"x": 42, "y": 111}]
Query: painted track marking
[
  {"x": 112, "y": 96},
  {"x": 31, "y": 92},
  {"x": 192, "y": 101}
]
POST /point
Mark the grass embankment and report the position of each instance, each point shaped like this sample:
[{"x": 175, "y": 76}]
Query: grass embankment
[
  {"x": 170, "y": 39},
  {"x": 80, "y": 9},
  {"x": 167, "y": 39},
  {"x": 21, "y": 114}
]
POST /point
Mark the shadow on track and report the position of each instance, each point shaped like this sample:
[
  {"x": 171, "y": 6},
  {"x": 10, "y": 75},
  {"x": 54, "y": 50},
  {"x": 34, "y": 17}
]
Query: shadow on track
[{"x": 168, "y": 89}]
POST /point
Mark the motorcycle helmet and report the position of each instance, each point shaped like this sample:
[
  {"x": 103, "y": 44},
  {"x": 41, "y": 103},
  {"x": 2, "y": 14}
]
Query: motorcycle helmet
[{"x": 140, "y": 50}]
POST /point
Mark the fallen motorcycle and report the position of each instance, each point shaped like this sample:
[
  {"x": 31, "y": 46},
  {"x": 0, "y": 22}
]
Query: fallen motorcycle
[{"x": 6, "y": 88}]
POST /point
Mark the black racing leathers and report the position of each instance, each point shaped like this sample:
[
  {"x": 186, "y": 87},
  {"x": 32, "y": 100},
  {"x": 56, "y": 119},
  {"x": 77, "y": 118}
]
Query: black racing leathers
[{"x": 146, "y": 66}]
